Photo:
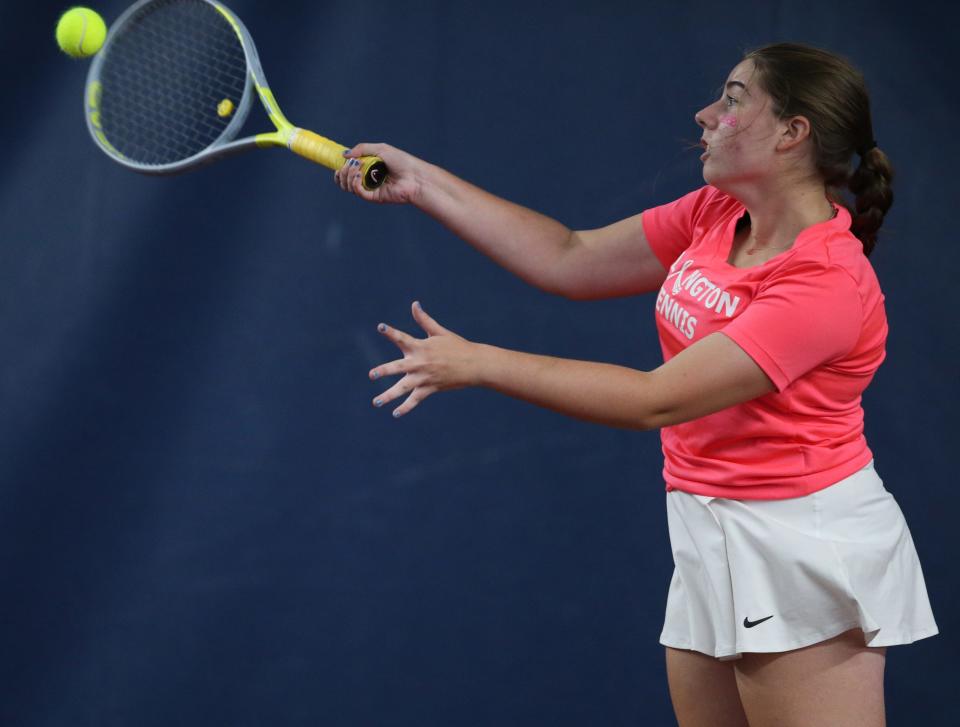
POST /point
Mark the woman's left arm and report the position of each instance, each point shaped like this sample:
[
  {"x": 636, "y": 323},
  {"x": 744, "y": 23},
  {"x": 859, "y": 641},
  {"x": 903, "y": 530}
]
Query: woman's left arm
[{"x": 712, "y": 374}]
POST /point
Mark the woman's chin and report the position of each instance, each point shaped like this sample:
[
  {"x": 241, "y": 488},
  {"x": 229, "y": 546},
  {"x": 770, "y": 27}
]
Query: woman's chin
[
  {"x": 710, "y": 175},
  {"x": 716, "y": 178}
]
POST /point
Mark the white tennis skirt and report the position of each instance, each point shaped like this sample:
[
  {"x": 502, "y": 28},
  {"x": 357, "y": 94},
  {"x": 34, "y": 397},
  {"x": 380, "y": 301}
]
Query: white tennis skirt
[{"x": 776, "y": 575}]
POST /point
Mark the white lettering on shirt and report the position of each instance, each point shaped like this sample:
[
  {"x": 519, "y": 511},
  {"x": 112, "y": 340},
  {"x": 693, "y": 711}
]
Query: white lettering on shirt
[{"x": 699, "y": 288}]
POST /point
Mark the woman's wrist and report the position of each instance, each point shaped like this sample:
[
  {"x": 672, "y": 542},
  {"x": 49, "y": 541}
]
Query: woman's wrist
[
  {"x": 484, "y": 363},
  {"x": 440, "y": 194},
  {"x": 425, "y": 184}
]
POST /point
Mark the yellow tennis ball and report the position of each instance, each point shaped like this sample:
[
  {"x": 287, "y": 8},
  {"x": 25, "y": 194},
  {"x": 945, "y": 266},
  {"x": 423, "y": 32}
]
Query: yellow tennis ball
[
  {"x": 225, "y": 108},
  {"x": 81, "y": 32}
]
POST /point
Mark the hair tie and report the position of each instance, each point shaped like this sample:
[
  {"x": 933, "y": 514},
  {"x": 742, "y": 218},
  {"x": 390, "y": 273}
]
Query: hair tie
[{"x": 872, "y": 144}]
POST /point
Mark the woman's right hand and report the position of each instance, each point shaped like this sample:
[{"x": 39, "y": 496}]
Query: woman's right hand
[{"x": 402, "y": 183}]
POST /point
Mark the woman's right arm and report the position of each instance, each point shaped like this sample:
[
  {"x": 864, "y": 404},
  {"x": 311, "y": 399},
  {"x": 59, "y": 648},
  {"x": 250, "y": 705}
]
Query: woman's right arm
[{"x": 603, "y": 263}]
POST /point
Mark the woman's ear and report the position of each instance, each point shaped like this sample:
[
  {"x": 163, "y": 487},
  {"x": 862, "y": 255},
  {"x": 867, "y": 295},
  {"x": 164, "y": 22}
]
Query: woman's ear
[{"x": 793, "y": 131}]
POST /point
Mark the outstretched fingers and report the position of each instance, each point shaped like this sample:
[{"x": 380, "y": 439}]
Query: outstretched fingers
[
  {"x": 425, "y": 321},
  {"x": 411, "y": 402},
  {"x": 403, "y": 341},
  {"x": 406, "y": 385},
  {"x": 418, "y": 381},
  {"x": 393, "y": 368},
  {"x": 394, "y": 392}
]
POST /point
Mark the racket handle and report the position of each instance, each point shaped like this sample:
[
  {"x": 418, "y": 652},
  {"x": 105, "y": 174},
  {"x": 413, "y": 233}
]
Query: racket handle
[{"x": 321, "y": 150}]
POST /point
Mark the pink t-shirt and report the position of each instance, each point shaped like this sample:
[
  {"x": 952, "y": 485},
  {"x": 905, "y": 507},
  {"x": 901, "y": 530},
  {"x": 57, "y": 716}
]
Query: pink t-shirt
[{"x": 812, "y": 318}]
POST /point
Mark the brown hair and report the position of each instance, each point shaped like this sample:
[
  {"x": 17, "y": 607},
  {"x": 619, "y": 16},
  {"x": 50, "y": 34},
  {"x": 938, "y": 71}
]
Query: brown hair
[{"x": 830, "y": 92}]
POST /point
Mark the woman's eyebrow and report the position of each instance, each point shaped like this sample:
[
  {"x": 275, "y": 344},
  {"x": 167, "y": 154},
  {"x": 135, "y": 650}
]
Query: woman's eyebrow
[{"x": 736, "y": 83}]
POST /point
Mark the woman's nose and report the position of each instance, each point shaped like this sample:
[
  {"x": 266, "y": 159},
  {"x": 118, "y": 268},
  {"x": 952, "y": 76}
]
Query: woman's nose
[{"x": 700, "y": 118}]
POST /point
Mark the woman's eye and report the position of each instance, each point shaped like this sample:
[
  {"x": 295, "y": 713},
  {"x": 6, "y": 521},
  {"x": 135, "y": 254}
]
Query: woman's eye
[{"x": 730, "y": 101}]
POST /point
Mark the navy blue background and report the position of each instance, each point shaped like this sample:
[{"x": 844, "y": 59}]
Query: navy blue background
[{"x": 204, "y": 522}]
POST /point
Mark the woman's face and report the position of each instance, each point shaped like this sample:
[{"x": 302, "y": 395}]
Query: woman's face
[{"x": 740, "y": 132}]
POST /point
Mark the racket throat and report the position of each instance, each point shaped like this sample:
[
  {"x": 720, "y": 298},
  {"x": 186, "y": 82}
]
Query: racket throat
[{"x": 273, "y": 108}]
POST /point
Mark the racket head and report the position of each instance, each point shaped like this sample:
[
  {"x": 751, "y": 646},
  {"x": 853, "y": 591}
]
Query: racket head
[{"x": 154, "y": 97}]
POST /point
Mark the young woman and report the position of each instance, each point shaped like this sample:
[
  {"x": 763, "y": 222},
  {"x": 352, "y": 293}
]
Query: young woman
[{"x": 794, "y": 566}]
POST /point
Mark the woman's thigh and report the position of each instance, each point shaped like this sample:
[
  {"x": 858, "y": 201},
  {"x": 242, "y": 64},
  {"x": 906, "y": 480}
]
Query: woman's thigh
[
  {"x": 835, "y": 682},
  {"x": 703, "y": 690}
]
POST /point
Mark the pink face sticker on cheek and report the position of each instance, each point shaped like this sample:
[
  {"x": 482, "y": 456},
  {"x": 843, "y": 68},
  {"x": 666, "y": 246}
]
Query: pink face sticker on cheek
[{"x": 730, "y": 121}]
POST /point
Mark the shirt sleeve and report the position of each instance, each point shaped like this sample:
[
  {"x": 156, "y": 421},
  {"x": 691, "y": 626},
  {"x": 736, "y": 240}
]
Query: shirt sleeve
[
  {"x": 670, "y": 227},
  {"x": 800, "y": 320}
]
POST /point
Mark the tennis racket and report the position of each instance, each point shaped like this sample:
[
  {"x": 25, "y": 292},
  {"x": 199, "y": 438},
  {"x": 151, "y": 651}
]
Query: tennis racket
[{"x": 174, "y": 83}]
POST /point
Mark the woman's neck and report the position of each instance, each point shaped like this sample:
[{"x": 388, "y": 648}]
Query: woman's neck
[{"x": 777, "y": 216}]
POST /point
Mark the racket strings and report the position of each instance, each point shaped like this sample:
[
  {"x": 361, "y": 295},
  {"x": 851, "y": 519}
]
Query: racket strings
[{"x": 164, "y": 78}]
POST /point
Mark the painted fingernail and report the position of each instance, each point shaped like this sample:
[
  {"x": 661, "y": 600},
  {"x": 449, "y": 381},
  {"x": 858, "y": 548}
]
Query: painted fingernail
[
  {"x": 417, "y": 303},
  {"x": 396, "y": 414},
  {"x": 382, "y": 327},
  {"x": 374, "y": 375},
  {"x": 377, "y": 403},
  {"x": 346, "y": 152}
]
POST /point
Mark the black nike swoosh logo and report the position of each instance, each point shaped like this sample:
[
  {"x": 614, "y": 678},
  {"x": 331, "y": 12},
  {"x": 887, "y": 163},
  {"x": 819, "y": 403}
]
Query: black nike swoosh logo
[{"x": 750, "y": 624}]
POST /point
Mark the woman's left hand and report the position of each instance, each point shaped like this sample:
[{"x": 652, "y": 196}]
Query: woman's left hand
[{"x": 440, "y": 362}]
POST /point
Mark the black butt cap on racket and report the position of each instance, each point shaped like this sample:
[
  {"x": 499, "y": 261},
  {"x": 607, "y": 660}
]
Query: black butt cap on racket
[{"x": 375, "y": 176}]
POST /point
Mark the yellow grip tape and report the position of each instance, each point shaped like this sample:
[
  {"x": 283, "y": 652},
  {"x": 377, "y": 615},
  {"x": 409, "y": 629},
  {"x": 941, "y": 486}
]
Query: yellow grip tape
[{"x": 329, "y": 153}]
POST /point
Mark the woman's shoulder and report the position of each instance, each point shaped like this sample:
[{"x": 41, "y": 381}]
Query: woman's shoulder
[
  {"x": 838, "y": 249},
  {"x": 835, "y": 260}
]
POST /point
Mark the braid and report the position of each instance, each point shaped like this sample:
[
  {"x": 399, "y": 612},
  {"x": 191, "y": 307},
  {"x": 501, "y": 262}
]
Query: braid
[{"x": 871, "y": 186}]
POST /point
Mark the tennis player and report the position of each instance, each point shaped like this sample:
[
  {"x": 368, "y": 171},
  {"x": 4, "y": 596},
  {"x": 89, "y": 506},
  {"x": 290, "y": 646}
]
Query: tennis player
[{"x": 794, "y": 568}]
